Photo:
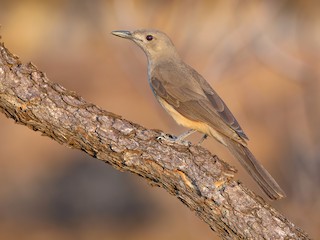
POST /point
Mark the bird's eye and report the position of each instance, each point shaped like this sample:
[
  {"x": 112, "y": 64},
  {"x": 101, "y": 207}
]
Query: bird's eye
[{"x": 149, "y": 37}]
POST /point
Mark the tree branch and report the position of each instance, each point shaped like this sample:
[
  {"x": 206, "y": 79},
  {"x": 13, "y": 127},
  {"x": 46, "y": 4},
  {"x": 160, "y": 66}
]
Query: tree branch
[{"x": 196, "y": 177}]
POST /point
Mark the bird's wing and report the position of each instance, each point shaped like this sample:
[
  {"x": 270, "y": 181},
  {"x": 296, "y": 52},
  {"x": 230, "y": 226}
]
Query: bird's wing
[
  {"x": 190, "y": 95},
  {"x": 220, "y": 106}
]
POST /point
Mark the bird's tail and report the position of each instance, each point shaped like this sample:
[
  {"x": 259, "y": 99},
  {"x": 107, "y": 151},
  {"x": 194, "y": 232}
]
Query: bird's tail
[{"x": 255, "y": 169}]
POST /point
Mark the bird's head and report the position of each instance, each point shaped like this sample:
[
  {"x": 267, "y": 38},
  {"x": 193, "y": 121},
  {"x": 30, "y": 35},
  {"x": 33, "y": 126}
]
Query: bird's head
[{"x": 154, "y": 43}]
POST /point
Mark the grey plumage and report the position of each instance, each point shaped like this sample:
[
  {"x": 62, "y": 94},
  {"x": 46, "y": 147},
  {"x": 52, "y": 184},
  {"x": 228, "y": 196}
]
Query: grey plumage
[{"x": 192, "y": 102}]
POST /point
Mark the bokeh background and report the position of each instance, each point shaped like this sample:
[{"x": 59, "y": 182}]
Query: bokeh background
[{"x": 262, "y": 57}]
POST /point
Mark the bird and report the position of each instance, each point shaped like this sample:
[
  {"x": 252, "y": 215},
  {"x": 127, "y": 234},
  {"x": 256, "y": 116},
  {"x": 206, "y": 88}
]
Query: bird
[{"x": 192, "y": 102}]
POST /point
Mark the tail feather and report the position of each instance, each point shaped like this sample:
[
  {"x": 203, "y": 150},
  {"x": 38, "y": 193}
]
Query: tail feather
[{"x": 255, "y": 169}]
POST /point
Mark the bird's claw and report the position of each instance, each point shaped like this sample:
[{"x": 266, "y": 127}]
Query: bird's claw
[{"x": 173, "y": 139}]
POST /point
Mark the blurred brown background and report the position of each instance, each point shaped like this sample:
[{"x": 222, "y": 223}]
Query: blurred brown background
[{"x": 262, "y": 57}]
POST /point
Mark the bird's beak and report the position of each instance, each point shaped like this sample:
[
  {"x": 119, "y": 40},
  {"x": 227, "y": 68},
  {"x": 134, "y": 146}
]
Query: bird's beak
[{"x": 123, "y": 34}]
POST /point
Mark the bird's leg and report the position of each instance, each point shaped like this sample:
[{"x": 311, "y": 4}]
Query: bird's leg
[
  {"x": 185, "y": 134},
  {"x": 179, "y": 139},
  {"x": 204, "y": 137}
]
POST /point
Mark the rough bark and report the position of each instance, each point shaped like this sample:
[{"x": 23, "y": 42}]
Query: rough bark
[{"x": 199, "y": 179}]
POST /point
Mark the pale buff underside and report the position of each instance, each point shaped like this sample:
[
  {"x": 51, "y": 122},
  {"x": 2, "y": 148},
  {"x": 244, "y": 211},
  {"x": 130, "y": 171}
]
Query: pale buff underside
[{"x": 199, "y": 126}]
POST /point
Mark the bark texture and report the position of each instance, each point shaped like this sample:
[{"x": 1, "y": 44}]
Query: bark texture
[{"x": 199, "y": 179}]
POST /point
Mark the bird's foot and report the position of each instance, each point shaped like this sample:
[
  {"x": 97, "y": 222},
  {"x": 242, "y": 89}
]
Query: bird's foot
[{"x": 173, "y": 139}]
